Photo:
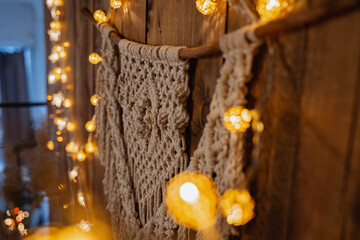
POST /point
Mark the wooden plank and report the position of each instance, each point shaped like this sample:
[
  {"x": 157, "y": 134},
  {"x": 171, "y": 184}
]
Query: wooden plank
[
  {"x": 326, "y": 107},
  {"x": 130, "y": 20},
  {"x": 273, "y": 180}
]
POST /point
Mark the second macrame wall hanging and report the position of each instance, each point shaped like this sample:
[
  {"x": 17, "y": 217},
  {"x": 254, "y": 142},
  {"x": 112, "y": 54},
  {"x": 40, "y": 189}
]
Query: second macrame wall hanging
[{"x": 141, "y": 122}]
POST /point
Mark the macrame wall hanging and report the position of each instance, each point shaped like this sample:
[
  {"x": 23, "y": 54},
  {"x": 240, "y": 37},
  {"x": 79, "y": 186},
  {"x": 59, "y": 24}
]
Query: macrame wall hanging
[{"x": 141, "y": 121}]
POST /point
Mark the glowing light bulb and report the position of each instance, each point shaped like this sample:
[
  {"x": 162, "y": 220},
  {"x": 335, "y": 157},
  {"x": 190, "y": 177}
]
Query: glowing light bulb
[
  {"x": 58, "y": 133},
  {"x": 54, "y": 3},
  {"x": 74, "y": 173},
  {"x": 49, "y": 97},
  {"x": 191, "y": 200},
  {"x": 54, "y": 35},
  {"x": 90, "y": 126},
  {"x": 273, "y": 9},
  {"x": 237, "y": 119},
  {"x": 50, "y": 145},
  {"x": 64, "y": 78},
  {"x": 67, "y": 103},
  {"x": 115, "y": 4},
  {"x": 61, "y": 187},
  {"x": 95, "y": 99},
  {"x": 189, "y": 193},
  {"x": 57, "y": 70},
  {"x": 60, "y": 139},
  {"x": 66, "y": 44},
  {"x": 81, "y": 199},
  {"x": 54, "y": 57},
  {"x": 55, "y": 25},
  {"x": 84, "y": 225},
  {"x": 94, "y": 58},
  {"x": 70, "y": 126},
  {"x": 8, "y": 221},
  {"x": 71, "y": 147},
  {"x": 51, "y": 78},
  {"x": 100, "y": 16},
  {"x": 57, "y": 99},
  {"x": 81, "y": 156},
  {"x": 65, "y": 206},
  {"x": 237, "y": 206},
  {"x": 206, "y": 7},
  {"x": 90, "y": 147}
]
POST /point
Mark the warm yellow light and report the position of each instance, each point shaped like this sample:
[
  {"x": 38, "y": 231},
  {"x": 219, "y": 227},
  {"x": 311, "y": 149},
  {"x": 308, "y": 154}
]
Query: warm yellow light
[
  {"x": 64, "y": 78},
  {"x": 54, "y": 3},
  {"x": 189, "y": 193},
  {"x": 51, "y": 78},
  {"x": 57, "y": 99},
  {"x": 58, "y": 121},
  {"x": 70, "y": 126},
  {"x": 273, "y": 9},
  {"x": 237, "y": 206},
  {"x": 90, "y": 147},
  {"x": 49, "y": 97},
  {"x": 191, "y": 200},
  {"x": 66, "y": 44},
  {"x": 100, "y": 16},
  {"x": 206, "y": 7},
  {"x": 81, "y": 156},
  {"x": 81, "y": 199},
  {"x": 85, "y": 226},
  {"x": 60, "y": 139},
  {"x": 54, "y": 57},
  {"x": 90, "y": 126},
  {"x": 50, "y": 145},
  {"x": 67, "y": 103},
  {"x": 58, "y": 133},
  {"x": 70, "y": 147},
  {"x": 55, "y": 25},
  {"x": 61, "y": 187},
  {"x": 58, "y": 12},
  {"x": 237, "y": 119},
  {"x": 115, "y": 4},
  {"x": 65, "y": 206},
  {"x": 74, "y": 173},
  {"x": 57, "y": 70},
  {"x": 54, "y": 35},
  {"x": 94, "y": 58},
  {"x": 95, "y": 99}
]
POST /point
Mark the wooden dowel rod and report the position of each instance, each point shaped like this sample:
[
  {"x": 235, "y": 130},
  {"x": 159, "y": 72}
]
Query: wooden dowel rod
[{"x": 294, "y": 21}]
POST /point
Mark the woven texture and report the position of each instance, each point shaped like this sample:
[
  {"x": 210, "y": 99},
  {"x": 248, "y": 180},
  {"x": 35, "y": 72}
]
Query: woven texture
[
  {"x": 141, "y": 121},
  {"x": 220, "y": 153}
]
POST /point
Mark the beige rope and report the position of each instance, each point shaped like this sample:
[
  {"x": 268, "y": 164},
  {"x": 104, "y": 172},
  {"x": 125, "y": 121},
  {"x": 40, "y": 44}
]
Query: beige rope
[{"x": 142, "y": 119}]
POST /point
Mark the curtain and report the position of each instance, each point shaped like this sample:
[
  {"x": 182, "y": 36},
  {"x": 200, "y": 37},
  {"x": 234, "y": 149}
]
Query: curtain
[{"x": 16, "y": 122}]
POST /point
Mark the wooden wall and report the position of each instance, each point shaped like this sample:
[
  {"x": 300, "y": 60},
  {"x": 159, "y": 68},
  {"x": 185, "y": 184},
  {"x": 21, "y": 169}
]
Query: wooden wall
[{"x": 306, "y": 185}]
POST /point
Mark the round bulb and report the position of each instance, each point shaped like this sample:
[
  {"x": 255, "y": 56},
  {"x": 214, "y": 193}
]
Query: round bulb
[
  {"x": 100, "y": 16},
  {"x": 94, "y": 58},
  {"x": 115, "y": 4},
  {"x": 49, "y": 97},
  {"x": 67, "y": 103},
  {"x": 50, "y": 145},
  {"x": 95, "y": 99},
  {"x": 206, "y": 7},
  {"x": 90, "y": 126},
  {"x": 55, "y": 25},
  {"x": 81, "y": 156},
  {"x": 189, "y": 193},
  {"x": 70, "y": 126},
  {"x": 90, "y": 147}
]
